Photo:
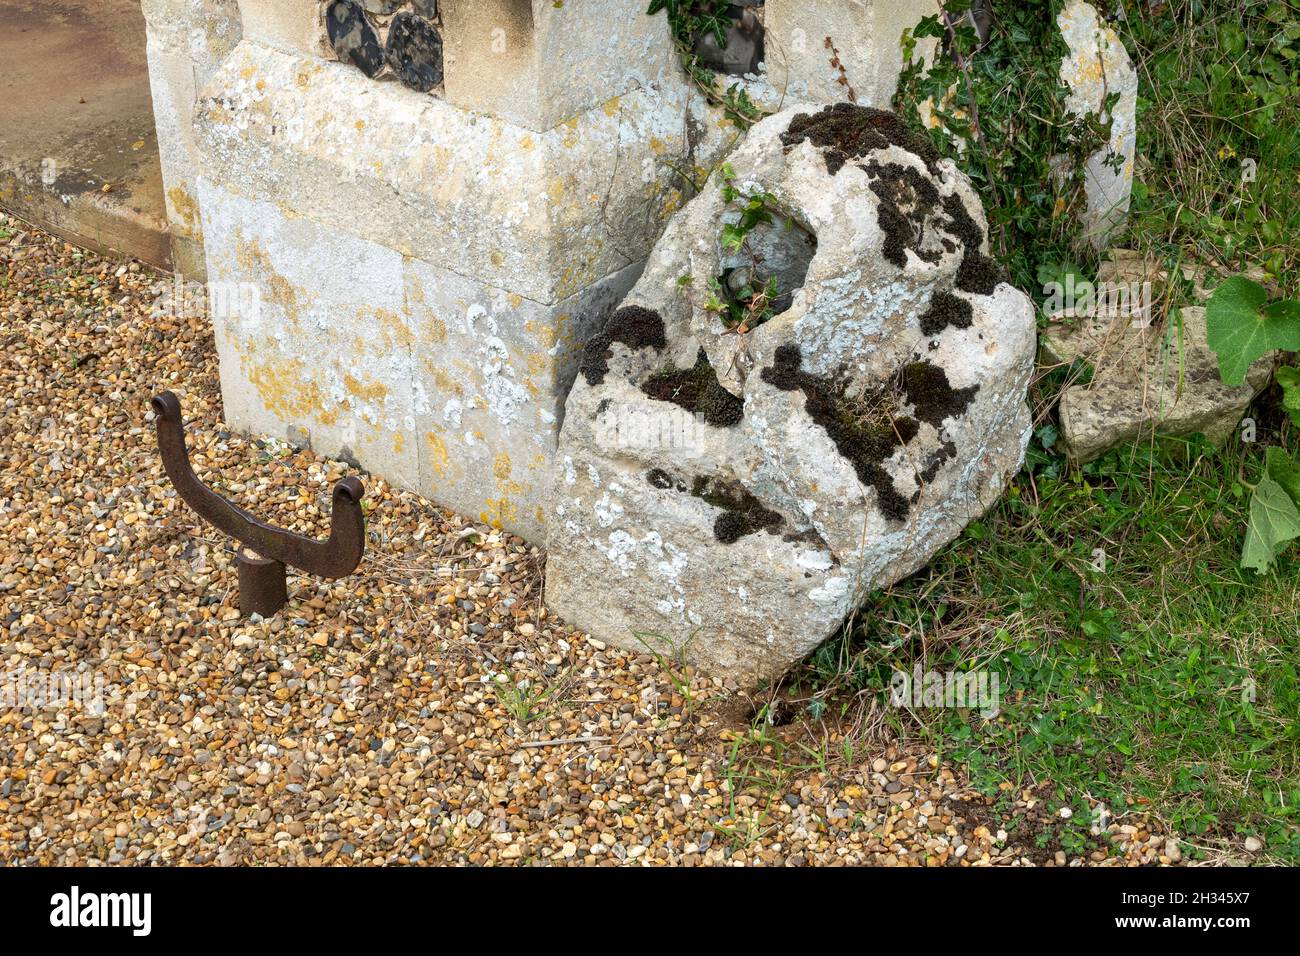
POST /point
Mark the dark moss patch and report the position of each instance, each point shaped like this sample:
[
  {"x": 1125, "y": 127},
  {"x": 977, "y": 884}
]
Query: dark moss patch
[
  {"x": 937, "y": 460},
  {"x": 907, "y": 199},
  {"x": 740, "y": 514},
  {"x": 665, "y": 481},
  {"x": 634, "y": 326},
  {"x": 934, "y": 400},
  {"x": 946, "y": 310},
  {"x": 977, "y": 272},
  {"x": 846, "y": 131},
  {"x": 697, "y": 390},
  {"x": 864, "y": 428}
]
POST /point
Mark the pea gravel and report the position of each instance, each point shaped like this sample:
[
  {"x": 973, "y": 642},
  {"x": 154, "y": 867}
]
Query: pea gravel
[{"x": 425, "y": 710}]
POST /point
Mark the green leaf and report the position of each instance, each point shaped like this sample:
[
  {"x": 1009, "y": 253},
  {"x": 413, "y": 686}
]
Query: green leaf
[
  {"x": 1241, "y": 327},
  {"x": 1289, "y": 379},
  {"x": 1274, "y": 521},
  {"x": 1279, "y": 466}
]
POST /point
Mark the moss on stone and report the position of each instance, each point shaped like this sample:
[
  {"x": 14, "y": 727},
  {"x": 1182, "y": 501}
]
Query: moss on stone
[
  {"x": 977, "y": 272},
  {"x": 696, "y": 389},
  {"x": 865, "y": 427},
  {"x": 634, "y": 326},
  {"x": 933, "y": 400},
  {"x": 846, "y": 131},
  {"x": 946, "y": 310},
  {"x": 740, "y": 513}
]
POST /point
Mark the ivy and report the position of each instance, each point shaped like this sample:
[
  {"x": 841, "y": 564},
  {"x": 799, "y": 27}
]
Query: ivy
[{"x": 999, "y": 113}]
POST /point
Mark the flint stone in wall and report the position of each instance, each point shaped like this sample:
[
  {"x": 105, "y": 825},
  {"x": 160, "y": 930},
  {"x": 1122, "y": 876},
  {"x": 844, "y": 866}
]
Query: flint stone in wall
[{"x": 731, "y": 497}]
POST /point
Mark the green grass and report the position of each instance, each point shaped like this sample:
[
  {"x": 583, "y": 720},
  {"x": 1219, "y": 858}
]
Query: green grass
[{"x": 1133, "y": 683}]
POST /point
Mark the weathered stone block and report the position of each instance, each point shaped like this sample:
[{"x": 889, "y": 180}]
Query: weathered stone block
[
  {"x": 490, "y": 252},
  {"x": 1097, "y": 67},
  {"x": 536, "y": 63},
  {"x": 187, "y": 40},
  {"x": 866, "y": 34},
  {"x": 830, "y": 448},
  {"x": 1148, "y": 377}
]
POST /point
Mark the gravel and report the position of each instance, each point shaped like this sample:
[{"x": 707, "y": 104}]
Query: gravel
[{"x": 425, "y": 710}]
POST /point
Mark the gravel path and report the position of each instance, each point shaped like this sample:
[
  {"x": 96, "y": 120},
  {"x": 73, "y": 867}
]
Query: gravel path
[{"x": 426, "y": 709}]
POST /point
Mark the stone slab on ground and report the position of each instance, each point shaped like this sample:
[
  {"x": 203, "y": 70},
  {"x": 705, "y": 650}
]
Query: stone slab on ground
[
  {"x": 78, "y": 151},
  {"x": 1146, "y": 378}
]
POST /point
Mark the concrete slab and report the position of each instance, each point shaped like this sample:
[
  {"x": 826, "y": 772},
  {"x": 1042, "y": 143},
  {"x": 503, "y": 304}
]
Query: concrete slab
[{"x": 78, "y": 150}]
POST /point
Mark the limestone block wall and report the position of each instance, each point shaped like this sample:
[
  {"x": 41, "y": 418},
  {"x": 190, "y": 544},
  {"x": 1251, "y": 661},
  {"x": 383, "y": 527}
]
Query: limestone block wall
[
  {"x": 865, "y": 36},
  {"x": 187, "y": 40},
  {"x": 429, "y": 262}
]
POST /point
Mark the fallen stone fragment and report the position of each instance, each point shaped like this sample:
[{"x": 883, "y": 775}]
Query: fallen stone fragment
[
  {"x": 1162, "y": 379},
  {"x": 833, "y": 447}
]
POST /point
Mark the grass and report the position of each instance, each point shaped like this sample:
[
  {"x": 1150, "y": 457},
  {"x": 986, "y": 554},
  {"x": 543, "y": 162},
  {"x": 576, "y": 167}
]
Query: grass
[{"x": 1168, "y": 678}]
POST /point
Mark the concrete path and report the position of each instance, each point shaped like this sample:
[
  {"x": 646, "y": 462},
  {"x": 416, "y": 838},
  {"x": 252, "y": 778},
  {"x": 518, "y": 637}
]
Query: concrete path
[{"x": 78, "y": 152}]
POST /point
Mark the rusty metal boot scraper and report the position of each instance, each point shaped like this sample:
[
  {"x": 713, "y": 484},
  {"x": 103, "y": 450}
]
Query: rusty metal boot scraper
[{"x": 265, "y": 550}]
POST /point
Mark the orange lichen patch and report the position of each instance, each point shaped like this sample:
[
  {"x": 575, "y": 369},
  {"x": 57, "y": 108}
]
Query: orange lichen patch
[
  {"x": 571, "y": 137},
  {"x": 499, "y": 513},
  {"x": 611, "y": 107},
  {"x": 657, "y": 146},
  {"x": 502, "y": 467},
  {"x": 526, "y": 143},
  {"x": 442, "y": 379},
  {"x": 185, "y": 206},
  {"x": 541, "y": 515},
  {"x": 399, "y": 442},
  {"x": 374, "y": 392},
  {"x": 543, "y": 333},
  {"x": 287, "y": 391},
  {"x": 438, "y": 458},
  {"x": 516, "y": 300},
  {"x": 396, "y": 333},
  {"x": 498, "y": 258},
  {"x": 252, "y": 258}
]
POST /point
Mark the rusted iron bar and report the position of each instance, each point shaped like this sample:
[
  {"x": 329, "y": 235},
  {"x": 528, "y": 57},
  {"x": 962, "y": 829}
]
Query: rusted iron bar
[{"x": 267, "y": 549}]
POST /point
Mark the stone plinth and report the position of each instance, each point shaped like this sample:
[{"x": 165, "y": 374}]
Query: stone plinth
[
  {"x": 187, "y": 40},
  {"x": 427, "y": 266}
]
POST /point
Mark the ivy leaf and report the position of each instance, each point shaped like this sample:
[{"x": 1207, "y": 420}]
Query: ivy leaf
[
  {"x": 1279, "y": 466},
  {"x": 1274, "y": 521},
  {"x": 1289, "y": 379},
  {"x": 1241, "y": 326}
]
